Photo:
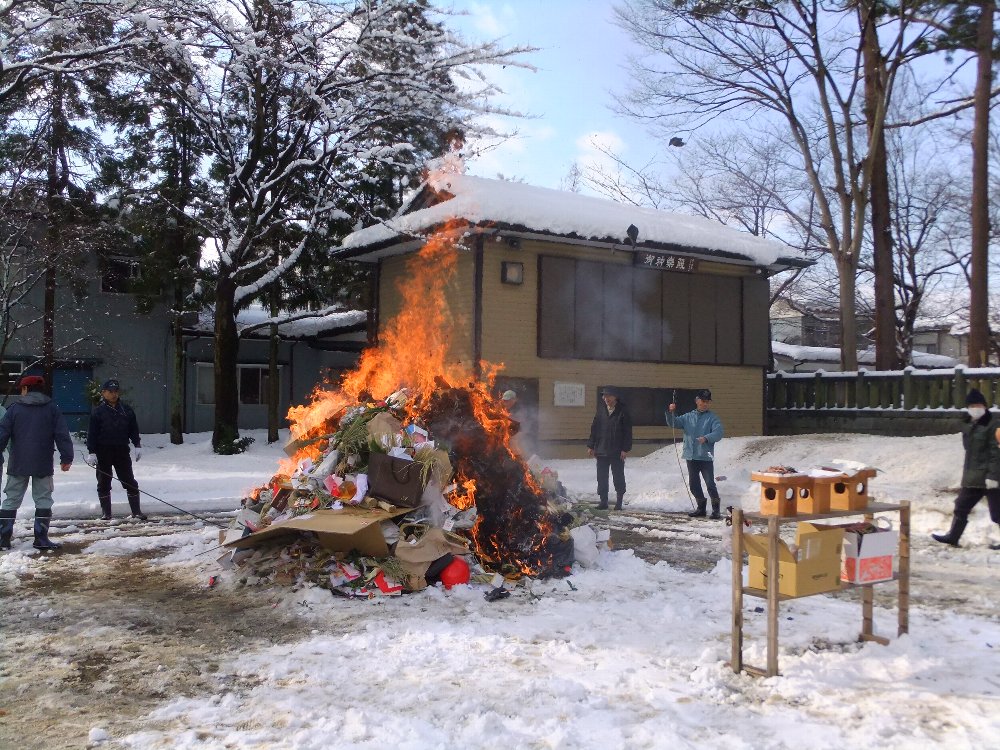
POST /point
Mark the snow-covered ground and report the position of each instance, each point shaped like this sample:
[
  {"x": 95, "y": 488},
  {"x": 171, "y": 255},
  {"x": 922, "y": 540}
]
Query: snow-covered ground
[{"x": 626, "y": 655}]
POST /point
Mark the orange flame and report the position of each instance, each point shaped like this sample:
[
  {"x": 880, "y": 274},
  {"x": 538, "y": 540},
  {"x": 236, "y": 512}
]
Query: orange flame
[{"x": 416, "y": 351}]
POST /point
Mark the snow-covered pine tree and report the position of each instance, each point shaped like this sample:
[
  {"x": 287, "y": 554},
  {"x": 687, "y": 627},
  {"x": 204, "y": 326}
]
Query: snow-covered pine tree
[
  {"x": 295, "y": 100},
  {"x": 57, "y": 66}
]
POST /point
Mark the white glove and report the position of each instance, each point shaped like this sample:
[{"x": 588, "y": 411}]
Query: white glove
[
  {"x": 137, "y": 453},
  {"x": 92, "y": 458},
  {"x": 992, "y": 484}
]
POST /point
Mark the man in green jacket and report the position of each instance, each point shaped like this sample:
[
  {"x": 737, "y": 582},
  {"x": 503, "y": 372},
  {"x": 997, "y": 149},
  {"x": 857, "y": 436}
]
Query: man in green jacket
[{"x": 981, "y": 471}]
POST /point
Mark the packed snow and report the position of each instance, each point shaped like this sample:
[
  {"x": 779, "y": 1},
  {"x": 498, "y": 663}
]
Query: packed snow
[
  {"x": 478, "y": 199},
  {"x": 624, "y": 654}
]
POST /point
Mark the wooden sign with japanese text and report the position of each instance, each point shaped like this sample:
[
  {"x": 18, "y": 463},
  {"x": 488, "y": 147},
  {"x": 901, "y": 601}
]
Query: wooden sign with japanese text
[{"x": 664, "y": 261}]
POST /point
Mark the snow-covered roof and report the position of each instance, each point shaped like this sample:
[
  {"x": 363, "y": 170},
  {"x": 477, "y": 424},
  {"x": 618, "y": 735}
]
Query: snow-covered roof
[
  {"x": 865, "y": 357},
  {"x": 256, "y": 317},
  {"x": 515, "y": 205}
]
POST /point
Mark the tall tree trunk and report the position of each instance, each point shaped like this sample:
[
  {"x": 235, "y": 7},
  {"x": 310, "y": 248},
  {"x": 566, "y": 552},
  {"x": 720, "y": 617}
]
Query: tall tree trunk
[
  {"x": 227, "y": 400},
  {"x": 55, "y": 184},
  {"x": 978, "y": 283},
  {"x": 885, "y": 319},
  {"x": 847, "y": 269},
  {"x": 177, "y": 392},
  {"x": 273, "y": 393}
]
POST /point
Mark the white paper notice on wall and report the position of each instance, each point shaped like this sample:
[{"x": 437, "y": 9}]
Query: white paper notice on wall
[{"x": 570, "y": 394}]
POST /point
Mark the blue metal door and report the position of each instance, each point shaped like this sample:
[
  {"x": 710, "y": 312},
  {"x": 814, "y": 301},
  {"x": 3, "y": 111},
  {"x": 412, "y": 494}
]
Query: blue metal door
[{"x": 69, "y": 391}]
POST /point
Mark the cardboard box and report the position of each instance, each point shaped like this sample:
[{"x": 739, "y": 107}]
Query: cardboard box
[
  {"x": 338, "y": 530},
  {"x": 815, "y": 569},
  {"x": 867, "y": 558}
]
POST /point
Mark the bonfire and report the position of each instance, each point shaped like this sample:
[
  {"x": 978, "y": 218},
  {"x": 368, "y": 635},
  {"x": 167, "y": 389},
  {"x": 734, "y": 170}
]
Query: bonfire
[{"x": 518, "y": 529}]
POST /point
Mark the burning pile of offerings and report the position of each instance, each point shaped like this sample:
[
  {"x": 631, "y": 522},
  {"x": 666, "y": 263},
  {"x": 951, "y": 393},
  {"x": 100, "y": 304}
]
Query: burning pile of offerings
[
  {"x": 452, "y": 502},
  {"x": 389, "y": 488}
]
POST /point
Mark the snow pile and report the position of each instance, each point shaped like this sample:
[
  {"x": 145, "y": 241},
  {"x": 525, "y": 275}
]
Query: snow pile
[{"x": 478, "y": 199}]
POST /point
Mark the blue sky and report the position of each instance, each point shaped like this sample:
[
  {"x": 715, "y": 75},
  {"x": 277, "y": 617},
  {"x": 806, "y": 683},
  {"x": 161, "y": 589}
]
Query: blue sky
[{"x": 580, "y": 61}]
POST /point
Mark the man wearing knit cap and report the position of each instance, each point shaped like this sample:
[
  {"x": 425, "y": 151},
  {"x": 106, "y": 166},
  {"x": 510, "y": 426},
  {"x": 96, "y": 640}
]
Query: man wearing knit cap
[
  {"x": 34, "y": 427},
  {"x": 981, "y": 470}
]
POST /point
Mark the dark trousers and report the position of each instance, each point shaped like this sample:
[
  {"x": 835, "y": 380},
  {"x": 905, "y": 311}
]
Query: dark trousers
[
  {"x": 617, "y": 467},
  {"x": 116, "y": 457},
  {"x": 968, "y": 497},
  {"x": 697, "y": 470}
]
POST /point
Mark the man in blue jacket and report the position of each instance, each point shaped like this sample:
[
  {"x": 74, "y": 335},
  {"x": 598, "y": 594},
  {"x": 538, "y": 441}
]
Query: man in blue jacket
[
  {"x": 34, "y": 427},
  {"x": 112, "y": 426},
  {"x": 702, "y": 430}
]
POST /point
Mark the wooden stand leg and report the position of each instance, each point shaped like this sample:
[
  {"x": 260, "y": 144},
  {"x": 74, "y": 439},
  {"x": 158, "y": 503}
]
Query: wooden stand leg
[
  {"x": 867, "y": 601},
  {"x": 736, "y": 657},
  {"x": 904, "y": 569},
  {"x": 772, "y": 596}
]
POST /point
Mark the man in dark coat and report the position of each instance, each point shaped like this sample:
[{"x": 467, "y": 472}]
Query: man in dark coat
[
  {"x": 610, "y": 440},
  {"x": 981, "y": 470},
  {"x": 34, "y": 427},
  {"x": 112, "y": 426}
]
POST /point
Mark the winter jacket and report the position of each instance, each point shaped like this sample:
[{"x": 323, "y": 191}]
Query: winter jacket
[
  {"x": 34, "y": 427},
  {"x": 696, "y": 424},
  {"x": 982, "y": 454},
  {"x": 112, "y": 426},
  {"x": 610, "y": 434}
]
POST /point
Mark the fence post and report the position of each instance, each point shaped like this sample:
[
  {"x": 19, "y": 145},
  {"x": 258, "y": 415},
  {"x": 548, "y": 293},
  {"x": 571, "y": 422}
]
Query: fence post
[
  {"x": 958, "y": 399},
  {"x": 908, "y": 400},
  {"x": 819, "y": 392},
  {"x": 859, "y": 389}
]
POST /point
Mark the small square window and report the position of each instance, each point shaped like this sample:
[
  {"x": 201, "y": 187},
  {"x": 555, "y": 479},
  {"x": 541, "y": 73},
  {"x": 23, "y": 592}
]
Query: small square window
[
  {"x": 511, "y": 272},
  {"x": 120, "y": 275}
]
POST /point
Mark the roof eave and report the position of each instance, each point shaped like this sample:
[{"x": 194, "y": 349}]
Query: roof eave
[{"x": 401, "y": 244}]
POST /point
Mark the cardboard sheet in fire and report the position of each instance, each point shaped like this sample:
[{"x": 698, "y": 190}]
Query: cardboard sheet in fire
[{"x": 342, "y": 530}]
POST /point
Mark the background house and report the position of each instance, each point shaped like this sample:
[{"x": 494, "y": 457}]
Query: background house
[
  {"x": 791, "y": 358},
  {"x": 99, "y": 335},
  {"x": 800, "y": 326},
  {"x": 552, "y": 286}
]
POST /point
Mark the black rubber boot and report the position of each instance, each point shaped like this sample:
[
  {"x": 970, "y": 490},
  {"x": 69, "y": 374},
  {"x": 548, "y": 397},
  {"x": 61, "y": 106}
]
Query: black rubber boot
[
  {"x": 133, "y": 504},
  {"x": 603, "y": 504},
  {"x": 42, "y": 541},
  {"x": 618, "y": 502},
  {"x": 699, "y": 512},
  {"x": 954, "y": 534},
  {"x": 7, "y": 527},
  {"x": 105, "y": 507},
  {"x": 716, "y": 515}
]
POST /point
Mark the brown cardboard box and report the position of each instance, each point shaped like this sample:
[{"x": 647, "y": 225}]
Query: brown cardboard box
[
  {"x": 337, "y": 530},
  {"x": 815, "y": 569}
]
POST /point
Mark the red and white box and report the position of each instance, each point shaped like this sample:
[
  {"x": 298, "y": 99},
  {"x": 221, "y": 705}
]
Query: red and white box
[{"x": 868, "y": 558}]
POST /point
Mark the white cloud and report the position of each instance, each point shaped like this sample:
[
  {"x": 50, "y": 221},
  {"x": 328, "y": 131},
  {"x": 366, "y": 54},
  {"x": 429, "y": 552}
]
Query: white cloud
[
  {"x": 593, "y": 147},
  {"x": 484, "y": 18}
]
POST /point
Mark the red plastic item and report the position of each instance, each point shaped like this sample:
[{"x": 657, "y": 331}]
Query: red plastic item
[{"x": 456, "y": 573}]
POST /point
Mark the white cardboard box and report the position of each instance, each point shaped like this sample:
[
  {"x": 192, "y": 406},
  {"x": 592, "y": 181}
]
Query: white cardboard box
[{"x": 868, "y": 558}]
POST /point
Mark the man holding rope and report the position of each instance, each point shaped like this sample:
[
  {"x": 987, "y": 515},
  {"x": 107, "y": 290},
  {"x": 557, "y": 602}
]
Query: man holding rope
[
  {"x": 112, "y": 426},
  {"x": 702, "y": 430}
]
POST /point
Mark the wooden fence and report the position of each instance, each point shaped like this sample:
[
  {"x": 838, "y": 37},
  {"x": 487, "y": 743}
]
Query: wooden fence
[{"x": 908, "y": 389}]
